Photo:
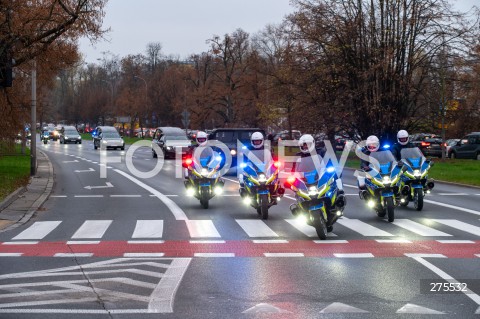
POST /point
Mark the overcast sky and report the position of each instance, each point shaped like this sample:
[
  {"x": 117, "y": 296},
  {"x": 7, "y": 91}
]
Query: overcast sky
[{"x": 183, "y": 26}]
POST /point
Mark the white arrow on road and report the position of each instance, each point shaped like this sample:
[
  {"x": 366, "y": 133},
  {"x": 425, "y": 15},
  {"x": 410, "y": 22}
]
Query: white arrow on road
[
  {"x": 75, "y": 161},
  {"x": 85, "y": 170},
  {"x": 106, "y": 186}
]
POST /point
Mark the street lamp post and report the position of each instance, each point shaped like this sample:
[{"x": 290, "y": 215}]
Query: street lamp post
[
  {"x": 111, "y": 89},
  {"x": 146, "y": 98}
]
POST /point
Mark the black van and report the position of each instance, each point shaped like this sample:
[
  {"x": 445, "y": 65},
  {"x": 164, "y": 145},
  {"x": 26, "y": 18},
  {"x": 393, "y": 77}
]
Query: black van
[
  {"x": 168, "y": 138},
  {"x": 229, "y": 137}
]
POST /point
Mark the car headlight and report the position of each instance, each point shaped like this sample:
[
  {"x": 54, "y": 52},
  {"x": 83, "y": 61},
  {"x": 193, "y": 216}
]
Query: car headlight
[
  {"x": 79, "y": 137},
  {"x": 169, "y": 148},
  {"x": 104, "y": 142},
  {"x": 262, "y": 178}
]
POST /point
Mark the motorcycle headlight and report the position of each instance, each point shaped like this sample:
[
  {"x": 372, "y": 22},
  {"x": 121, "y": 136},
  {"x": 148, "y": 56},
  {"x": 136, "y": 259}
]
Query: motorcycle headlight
[
  {"x": 417, "y": 173},
  {"x": 386, "y": 180},
  {"x": 204, "y": 172},
  {"x": 312, "y": 191},
  {"x": 262, "y": 178}
]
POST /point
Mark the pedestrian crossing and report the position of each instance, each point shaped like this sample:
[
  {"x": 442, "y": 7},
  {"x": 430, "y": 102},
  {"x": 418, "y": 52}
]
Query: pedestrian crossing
[{"x": 153, "y": 230}]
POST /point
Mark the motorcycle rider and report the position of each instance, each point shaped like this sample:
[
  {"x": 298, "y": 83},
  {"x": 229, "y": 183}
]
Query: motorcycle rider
[
  {"x": 257, "y": 142},
  {"x": 372, "y": 145},
  {"x": 402, "y": 142},
  {"x": 308, "y": 147},
  {"x": 202, "y": 140}
]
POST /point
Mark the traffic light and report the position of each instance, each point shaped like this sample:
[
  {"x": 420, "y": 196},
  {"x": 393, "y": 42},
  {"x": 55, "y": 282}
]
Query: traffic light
[{"x": 6, "y": 75}]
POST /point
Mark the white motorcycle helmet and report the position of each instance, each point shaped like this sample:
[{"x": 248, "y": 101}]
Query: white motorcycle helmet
[
  {"x": 306, "y": 143},
  {"x": 373, "y": 143},
  {"x": 257, "y": 140},
  {"x": 202, "y": 138},
  {"x": 402, "y": 137}
]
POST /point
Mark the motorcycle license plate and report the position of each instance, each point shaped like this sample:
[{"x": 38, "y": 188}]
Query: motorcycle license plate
[
  {"x": 417, "y": 186},
  {"x": 204, "y": 184},
  {"x": 387, "y": 194},
  {"x": 316, "y": 207},
  {"x": 263, "y": 192}
]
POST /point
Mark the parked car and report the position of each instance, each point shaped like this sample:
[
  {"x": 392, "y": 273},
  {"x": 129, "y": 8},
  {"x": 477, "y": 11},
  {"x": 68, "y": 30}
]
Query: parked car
[
  {"x": 107, "y": 137},
  {"x": 168, "y": 139},
  {"x": 69, "y": 134},
  {"x": 449, "y": 143},
  {"x": 432, "y": 147},
  {"x": 285, "y": 135},
  {"x": 467, "y": 147}
]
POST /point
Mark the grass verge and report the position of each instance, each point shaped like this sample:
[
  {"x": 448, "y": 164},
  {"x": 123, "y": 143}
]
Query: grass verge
[
  {"x": 455, "y": 171},
  {"x": 14, "y": 172}
]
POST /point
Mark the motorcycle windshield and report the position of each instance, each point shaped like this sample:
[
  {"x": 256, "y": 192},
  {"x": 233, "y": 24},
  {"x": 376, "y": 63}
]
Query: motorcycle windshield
[
  {"x": 413, "y": 156},
  {"x": 385, "y": 159},
  {"x": 208, "y": 159},
  {"x": 311, "y": 167},
  {"x": 258, "y": 161}
]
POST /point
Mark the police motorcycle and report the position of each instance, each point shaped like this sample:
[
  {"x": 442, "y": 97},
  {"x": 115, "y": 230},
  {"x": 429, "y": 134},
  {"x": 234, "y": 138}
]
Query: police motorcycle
[
  {"x": 204, "y": 180},
  {"x": 414, "y": 182},
  {"x": 261, "y": 187},
  {"x": 45, "y": 137},
  {"x": 382, "y": 182},
  {"x": 319, "y": 202}
]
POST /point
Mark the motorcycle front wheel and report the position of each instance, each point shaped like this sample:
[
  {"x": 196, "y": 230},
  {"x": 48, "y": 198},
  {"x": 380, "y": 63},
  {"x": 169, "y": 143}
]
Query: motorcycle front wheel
[
  {"x": 204, "y": 199},
  {"x": 263, "y": 206},
  {"x": 390, "y": 209},
  {"x": 418, "y": 199},
  {"x": 320, "y": 225}
]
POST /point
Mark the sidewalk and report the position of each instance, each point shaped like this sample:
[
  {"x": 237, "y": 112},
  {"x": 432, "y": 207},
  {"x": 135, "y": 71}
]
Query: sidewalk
[{"x": 20, "y": 206}]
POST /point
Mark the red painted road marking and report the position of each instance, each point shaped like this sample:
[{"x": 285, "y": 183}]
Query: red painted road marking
[{"x": 246, "y": 248}]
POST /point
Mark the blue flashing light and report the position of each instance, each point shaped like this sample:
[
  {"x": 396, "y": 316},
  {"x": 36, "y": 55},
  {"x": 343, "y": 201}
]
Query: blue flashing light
[{"x": 386, "y": 146}]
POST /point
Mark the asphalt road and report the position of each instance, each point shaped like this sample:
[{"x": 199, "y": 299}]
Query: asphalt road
[{"x": 132, "y": 247}]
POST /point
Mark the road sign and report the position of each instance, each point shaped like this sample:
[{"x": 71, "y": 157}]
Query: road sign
[{"x": 185, "y": 118}]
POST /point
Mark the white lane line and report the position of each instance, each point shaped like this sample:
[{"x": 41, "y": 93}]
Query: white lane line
[
  {"x": 456, "y": 241},
  {"x": 270, "y": 241},
  {"x": 20, "y": 243},
  {"x": 451, "y": 194},
  {"x": 202, "y": 229},
  {"x": 309, "y": 231},
  {"x": 471, "y": 211},
  {"x": 136, "y": 255},
  {"x": 470, "y": 294},
  {"x": 475, "y": 230},
  {"x": 92, "y": 229},
  {"x": 478, "y": 255},
  {"x": 351, "y": 186},
  {"x": 355, "y": 255},
  {"x": 83, "y": 242},
  {"x": 362, "y": 228},
  {"x": 73, "y": 255},
  {"x": 417, "y": 228},
  {"x": 38, "y": 230},
  {"x": 214, "y": 255},
  {"x": 283, "y": 254},
  {"x": 171, "y": 195},
  {"x": 88, "y": 196},
  {"x": 146, "y": 242},
  {"x": 125, "y": 196},
  {"x": 207, "y": 241},
  {"x": 148, "y": 229},
  {"x": 11, "y": 254},
  {"x": 177, "y": 211},
  {"x": 425, "y": 255},
  {"x": 59, "y": 196},
  {"x": 393, "y": 241},
  {"x": 341, "y": 241},
  {"x": 256, "y": 228},
  {"x": 231, "y": 180}
]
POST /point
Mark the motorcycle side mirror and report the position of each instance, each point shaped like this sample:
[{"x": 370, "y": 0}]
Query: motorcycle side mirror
[
  {"x": 404, "y": 169},
  {"x": 400, "y": 164},
  {"x": 432, "y": 163}
]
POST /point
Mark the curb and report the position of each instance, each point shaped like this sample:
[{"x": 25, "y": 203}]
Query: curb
[
  {"x": 40, "y": 200},
  {"x": 12, "y": 197},
  {"x": 435, "y": 180}
]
